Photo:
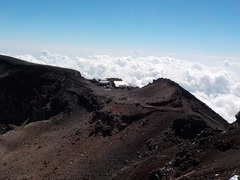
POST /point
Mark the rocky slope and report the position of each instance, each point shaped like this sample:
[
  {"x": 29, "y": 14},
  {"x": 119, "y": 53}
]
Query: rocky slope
[{"x": 57, "y": 125}]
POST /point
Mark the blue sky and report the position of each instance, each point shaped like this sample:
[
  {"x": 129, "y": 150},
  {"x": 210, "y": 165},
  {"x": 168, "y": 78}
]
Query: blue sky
[{"x": 147, "y": 27}]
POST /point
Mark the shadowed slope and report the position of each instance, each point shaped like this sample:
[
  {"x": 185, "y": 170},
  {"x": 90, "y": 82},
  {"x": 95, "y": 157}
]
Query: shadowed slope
[{"x": 31, "y": 92}]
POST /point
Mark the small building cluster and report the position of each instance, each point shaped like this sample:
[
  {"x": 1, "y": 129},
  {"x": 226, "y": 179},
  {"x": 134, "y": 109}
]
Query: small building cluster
[{"x": 115, "y": 83}]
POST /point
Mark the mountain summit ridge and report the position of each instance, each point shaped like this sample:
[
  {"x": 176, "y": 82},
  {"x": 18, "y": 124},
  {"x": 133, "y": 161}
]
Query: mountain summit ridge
[{"x": 56, "y": 124}]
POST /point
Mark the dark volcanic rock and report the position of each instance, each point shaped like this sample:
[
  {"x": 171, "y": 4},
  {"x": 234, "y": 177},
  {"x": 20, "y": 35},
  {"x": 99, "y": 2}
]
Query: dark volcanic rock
[
  {"x": 238, "y": 117},
  {"x": 31, "y": 92},
  {"x": 188, "y": 127}
]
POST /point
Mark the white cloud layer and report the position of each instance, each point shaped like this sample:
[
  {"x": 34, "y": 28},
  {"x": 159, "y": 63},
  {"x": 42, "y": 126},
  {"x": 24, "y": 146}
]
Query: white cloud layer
[{"x": 218, "y": 86}]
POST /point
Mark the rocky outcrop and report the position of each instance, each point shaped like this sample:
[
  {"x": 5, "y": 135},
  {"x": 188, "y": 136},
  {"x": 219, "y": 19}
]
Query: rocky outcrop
[
  {"x": 31, "y": 92},
  {"x": 238, "y": 117},
  {"x": 188, "y": 127}
]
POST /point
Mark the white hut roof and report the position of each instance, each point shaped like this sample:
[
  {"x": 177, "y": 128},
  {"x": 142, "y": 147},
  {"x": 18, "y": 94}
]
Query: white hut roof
[{"x": 120, "y": 83}]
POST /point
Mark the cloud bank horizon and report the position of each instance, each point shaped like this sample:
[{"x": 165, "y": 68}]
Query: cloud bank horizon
[{"x": 218, "y": 85}]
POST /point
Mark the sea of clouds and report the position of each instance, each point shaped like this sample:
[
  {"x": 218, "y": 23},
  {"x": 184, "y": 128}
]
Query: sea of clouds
[{"x": 217, "y": 85}]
